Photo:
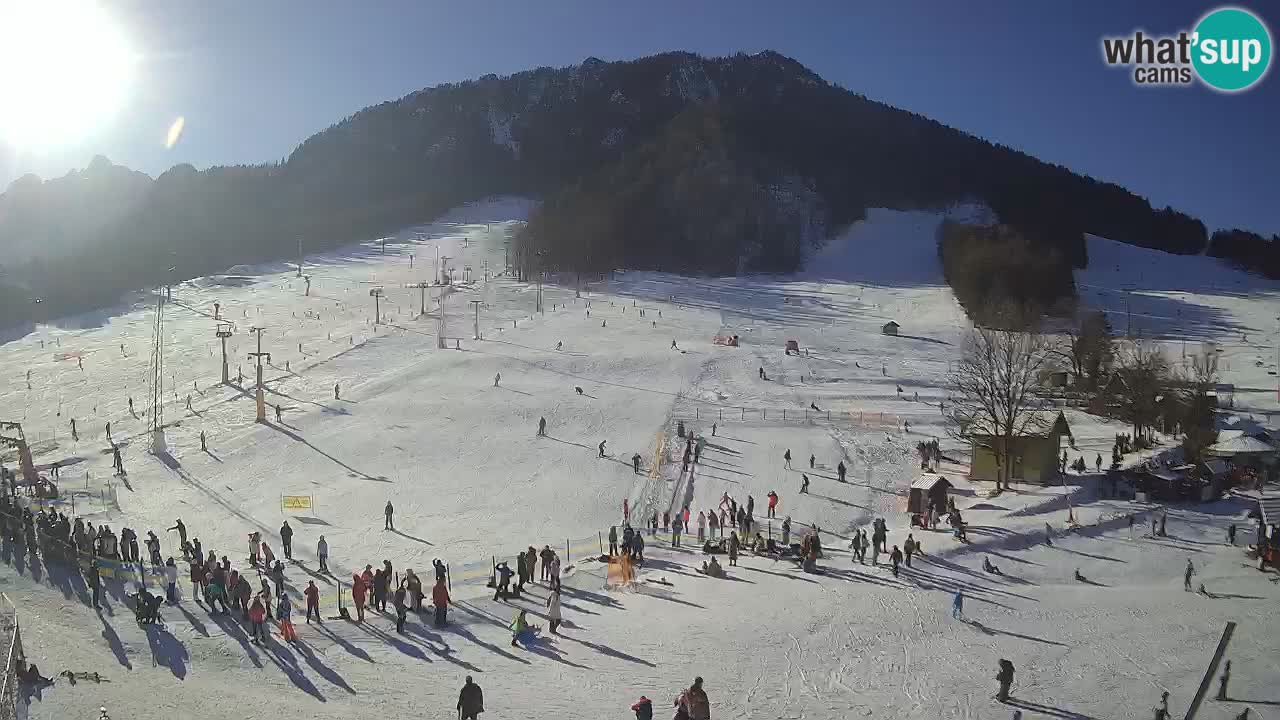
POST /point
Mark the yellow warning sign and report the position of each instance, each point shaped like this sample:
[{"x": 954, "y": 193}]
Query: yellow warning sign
[{"x": 295, "y": 502}]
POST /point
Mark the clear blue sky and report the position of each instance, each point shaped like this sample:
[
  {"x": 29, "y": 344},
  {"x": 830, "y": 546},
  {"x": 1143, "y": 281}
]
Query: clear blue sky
[{"x": 255, "y": 78}]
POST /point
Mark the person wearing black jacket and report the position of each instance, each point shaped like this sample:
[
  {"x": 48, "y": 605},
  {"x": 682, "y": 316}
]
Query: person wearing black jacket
[{"x": 470, "y": 701}]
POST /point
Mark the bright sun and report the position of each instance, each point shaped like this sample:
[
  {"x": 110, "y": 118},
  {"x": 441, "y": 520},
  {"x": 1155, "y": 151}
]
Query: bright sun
[{"x": 64, "y": 70}]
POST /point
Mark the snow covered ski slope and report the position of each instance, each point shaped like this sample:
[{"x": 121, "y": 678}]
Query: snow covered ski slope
[{"x": 449, "y": 436}]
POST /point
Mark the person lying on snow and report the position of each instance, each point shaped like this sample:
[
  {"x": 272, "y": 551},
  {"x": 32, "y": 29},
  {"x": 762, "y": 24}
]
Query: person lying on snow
[{"x": 713, "y": 568}]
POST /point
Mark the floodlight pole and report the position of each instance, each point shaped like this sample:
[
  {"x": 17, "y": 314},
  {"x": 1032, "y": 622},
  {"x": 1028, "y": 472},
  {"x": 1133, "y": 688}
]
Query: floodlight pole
[{"x": 476, "y": 304}]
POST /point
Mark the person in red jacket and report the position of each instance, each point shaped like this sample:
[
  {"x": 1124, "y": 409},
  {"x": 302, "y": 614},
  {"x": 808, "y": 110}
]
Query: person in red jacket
[
  {"x": 313, "y": 601},
  {"x": 358, "y": 593},
  {"x": 258, "y": 616},
  {"x": 440, "y": 599}
]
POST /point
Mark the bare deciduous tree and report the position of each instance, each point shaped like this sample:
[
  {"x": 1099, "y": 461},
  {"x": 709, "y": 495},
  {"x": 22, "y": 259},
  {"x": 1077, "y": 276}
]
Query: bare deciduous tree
[
  {"x": 991, "y": 391},
  {"x": 1088, "y": 350},
  {"x": 1144, "y": 372}
]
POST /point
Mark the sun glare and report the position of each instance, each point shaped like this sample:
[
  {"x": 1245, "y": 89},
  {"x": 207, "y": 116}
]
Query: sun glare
[{"x": 65, "y": 69}]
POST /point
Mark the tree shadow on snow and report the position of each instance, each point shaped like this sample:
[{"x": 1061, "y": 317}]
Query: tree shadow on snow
[{"x": 298, "y": 438}]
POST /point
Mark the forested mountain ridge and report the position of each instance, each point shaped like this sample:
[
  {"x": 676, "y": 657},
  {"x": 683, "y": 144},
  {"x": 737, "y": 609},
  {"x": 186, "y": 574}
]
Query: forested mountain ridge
[{"x": 673, "y": 161}]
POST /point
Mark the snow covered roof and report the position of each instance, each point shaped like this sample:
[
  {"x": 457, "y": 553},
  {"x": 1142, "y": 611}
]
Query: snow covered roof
[
  {"x": 928, "y": 480},
  {"x": 1240, "y": 445}
]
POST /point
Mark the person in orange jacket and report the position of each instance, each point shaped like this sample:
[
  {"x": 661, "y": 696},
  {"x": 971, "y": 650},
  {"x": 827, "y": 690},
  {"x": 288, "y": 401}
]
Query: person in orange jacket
[
  {"x": 440, "y": 599},
  {"x": 359, "y": 592}
]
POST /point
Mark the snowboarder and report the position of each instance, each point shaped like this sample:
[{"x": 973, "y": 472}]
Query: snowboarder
[
  {"x": 1005, "y": 678},
  {"x": 322, "y": 552},
  {"x": 286, "y": 538},
  {"x": 470, "y": 701},
  {"x": 1186, "y": 576},
  {"x": 602, "y": 442},
  {"x": 542, "y": 427},
  {"x": 387, "y": 513},
  {"x": 786, "y": 457},
  {"x": 520, "y": 628}
]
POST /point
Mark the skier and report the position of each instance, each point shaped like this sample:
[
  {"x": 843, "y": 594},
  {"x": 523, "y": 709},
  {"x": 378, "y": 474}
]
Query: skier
[
  {"x": 440, "y": 601},
  {"x": 286, "y": 537},
  {"x": 312, "y": 594},
  {"x": 553, "y": 611},
  {"x": 204, "y": 445},
  {"x": 542, "y": 427},
  {"x": 388, "y": 512},
  {"x": 734, "y": 544},
  {"x": 602, "y": 442},
  {"x": 1005, "y": 678},
  {"x": 677, "y": 523},
  {"x": 804, "y": 484},
  {"x": 702, "y": 526},
  {"x": 182, "y": 532},
  {"x": 504, "y": 574},
  {"x": 811, "y": 459},
  {"x": 957, "y": 605},
  {"x": 773, "y": 504},
  {"x": 520, "y": 629},
  {"x": 171, "y": 581},
  {"x": 613, "y": 540},
  {"x": 1186, "y": 576},
  {"x": 673, "y": 344},
  {"x": 337, "y": 391},
  {"x": 1164, "y": 518},
  {"x": 1231, "y": 534},
  {"x": 74, "y": 435},
  {"x": 258, "y": 616},
  {"x": 635, "y": 463},
  {"x": 470, "y": 701},
  {"x": 496, "y": 378},
  {"x": 1097, "y": 463},
  {"x": 896, "y": 558},
  {"x": 131, "y": 412},
  {"x": 402, "y": 610},
  {"x": 786, "y": 457},
  {"x": 279, "y": 414},
  {"x": 840, "y": 471},
  {"x": 909, "y": 548},
  {"x": 108, "y": 432},
  {"x": 322, "y": 552}
]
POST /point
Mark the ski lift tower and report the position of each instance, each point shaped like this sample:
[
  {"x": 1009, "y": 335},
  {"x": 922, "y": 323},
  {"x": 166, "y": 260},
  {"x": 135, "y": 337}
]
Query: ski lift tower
[
  {"x": 224, "y": 331},
  {"x": 260, "y": 401},
  {"x": 376, "y": 294},
  {"x": 158, "y": 444},
  {"x": 423, "y": 287}
]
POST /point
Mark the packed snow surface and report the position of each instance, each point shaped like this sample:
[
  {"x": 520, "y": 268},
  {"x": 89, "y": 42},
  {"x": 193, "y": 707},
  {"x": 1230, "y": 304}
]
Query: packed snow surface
[{"x": 455, "y": 450}]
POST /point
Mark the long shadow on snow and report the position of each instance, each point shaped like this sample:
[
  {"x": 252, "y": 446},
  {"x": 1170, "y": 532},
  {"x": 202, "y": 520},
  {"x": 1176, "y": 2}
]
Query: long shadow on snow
[
  {"x": 117, "y": 646},
  {"x": 608, "y": 651},
  {"x": 431, "y": 640},
  {"x": 298, "y": 438},
  {"x": 166, "y": 651},
  {"x": 996, "y": 631},
  {"x": 279, "y": 654},
  {"x": 343, "y": 642},
  {"x": 321, "y": 669},
  {"x": 233, "y": 630},
  {"x": 1047, "y": 710}
]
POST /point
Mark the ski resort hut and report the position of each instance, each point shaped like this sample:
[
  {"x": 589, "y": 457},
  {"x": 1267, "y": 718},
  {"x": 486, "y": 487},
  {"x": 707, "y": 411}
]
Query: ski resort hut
[
  {"x": 928, "y": 489},
  {"x": 1034, "y": 457},
  {"x": 890, "y": 328}
]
